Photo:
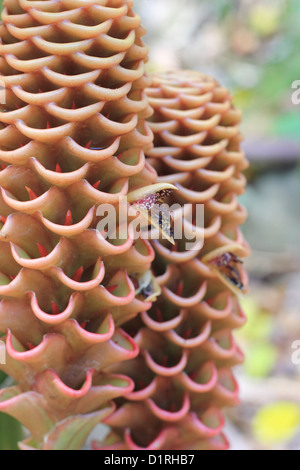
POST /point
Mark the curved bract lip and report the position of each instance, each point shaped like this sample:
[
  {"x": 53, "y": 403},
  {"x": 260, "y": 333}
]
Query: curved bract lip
[
  {"x": 194, "y": 101},
  {"x": 240, "y": 215},
  {"x": 8, "y": 133},
  {"x": 74, "y": 304},
  {"x": 216, "y": 176},
  {"x": 27, "y": 33},
  {"x": 142, "y": 395},
  {"x": 82, "y": 31},
  {"x": 50, "y": 351},
  {"x": 25, "y": 281},
  {"x": 39, "y": 99},
  {"x": 183, "y": 141},
  {"x": 227, "y": 205},
  {"x": 114, "y": 127},
  {"x": 214, "y": 348},
  {"x": 236, "y": 184},
  {"x": 142, "y": 137},
  {"x": 169, "y": 416},
  {"x": 197, "y": 196},
  {"x": 69, "y": 230},
  {"x": 207, "y": 150},
  {"x": 61, "y": 49},
  {"x": 79, "y": 338},
  {"x": 91, "y": 155},
  {"x": 170, "y": 126},
  {"x": 23, "y": 80},
  {"x": 162, "y": 326},
  {"x": 116, "y": 44},
  {"x": 166, "y": 371},
  {"x": 45, "y": 135},
  {"x": 96, "y": 63},
  {"x": 237, "y": 317},
  {"x": 227, "y": 388},
  {"x": 59, "y": 253},
  {"x": 10, "y": 117},
  {"x": 96, "y": 241},
  {"x": 76, "y": 115},
  {"x": 120, "y": 166},
  {"x": 164, "y": 278},
  {"x": 218, "y": 108},
  {"x": 67, "y": 81},
  {"x": 208, "y": 311},
  {"x": 60, "y": 179},
  {"x": 202, "y": 125},
  {"x": 219, "y": 442},
  {"x": 99, "y": 197},
  {"x": 103, "y": 12},
  {"x": 195, "y": 387},
  {"x": 81, "y": 286},
  {"x": 232, "y": 157},
  {"x": 166, "y": 436},
  {"x": 124, "y": 345},
  {"x": 204, "y": 233},
  {"x": 59, "y": 388},
  {"x": 19, "y": 155},
  {"x": 129, "y": 75},
  {"x": 161, "y": 152},
  {"x": 54, "y": 197},
  {"x": 200, "y": 269},
  {"x": 106, "y": 94},
  {"x": 125, "y": 103},
  {"x": 222, "y": 132},
  {"x": 32, "y": 65},
  {"x": 48, "y": 18},
  {"x": 187, "y": 114},
  {"x": 50, "y": 384},
  {"x": 185, "y": 302},
  {"x": 197, "y": 424},
  {"x": 163, "y": 102},
  {"x": 102, "y": 295},
  {"x": 186, "y": 165},
  {"x": 173, "y": 336},
  {"x": 8, "y": 17}
]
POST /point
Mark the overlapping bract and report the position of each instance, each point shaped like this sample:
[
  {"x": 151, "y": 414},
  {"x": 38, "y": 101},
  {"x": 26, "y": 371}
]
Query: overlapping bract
[
  {"x": 183, "y": 377},
  {"x": 72, "y": 137}
]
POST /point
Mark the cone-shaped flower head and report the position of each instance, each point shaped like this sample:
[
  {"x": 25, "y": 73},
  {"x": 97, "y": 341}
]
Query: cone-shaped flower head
[
  {"x": 72, "y": 138},
  {"x": 183, "y": 377}
]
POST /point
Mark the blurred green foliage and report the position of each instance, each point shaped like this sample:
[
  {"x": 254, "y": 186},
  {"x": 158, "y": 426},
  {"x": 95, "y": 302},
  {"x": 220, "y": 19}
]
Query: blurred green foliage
[
  {"x": 275, "y": 57},
  {"x": 256, "y": 337},
  {"x": 11, "y": 432}
]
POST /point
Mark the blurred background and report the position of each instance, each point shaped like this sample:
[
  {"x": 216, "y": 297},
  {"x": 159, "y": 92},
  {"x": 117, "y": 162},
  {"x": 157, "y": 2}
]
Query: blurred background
[{"x": 252, "y": 47}]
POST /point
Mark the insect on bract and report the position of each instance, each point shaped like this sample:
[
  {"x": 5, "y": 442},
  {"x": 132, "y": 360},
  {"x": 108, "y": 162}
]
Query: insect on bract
[{"x": 226, "y": 262}]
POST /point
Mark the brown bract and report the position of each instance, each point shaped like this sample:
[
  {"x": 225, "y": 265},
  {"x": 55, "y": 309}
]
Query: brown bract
[
  {"x": 72, "y": 137},
  {"x": 183, "y": 377}
]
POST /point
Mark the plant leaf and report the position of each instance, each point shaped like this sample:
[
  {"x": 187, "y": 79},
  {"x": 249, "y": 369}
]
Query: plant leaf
[{"x": 71, "y": 433}]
